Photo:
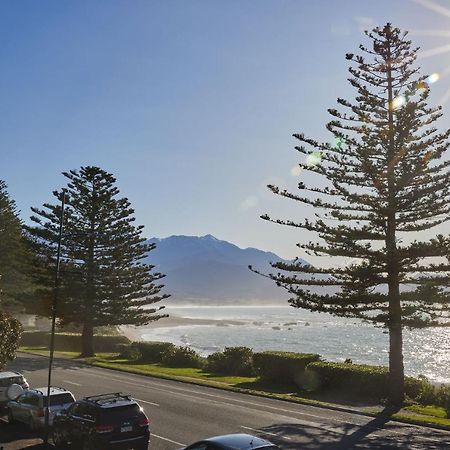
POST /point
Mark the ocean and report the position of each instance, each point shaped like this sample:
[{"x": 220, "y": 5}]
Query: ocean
[{"x": 426, "y": 351}]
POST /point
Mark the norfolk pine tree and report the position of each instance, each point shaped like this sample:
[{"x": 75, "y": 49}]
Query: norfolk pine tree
[
  {"x": 15, "y": 256},
  {"x": 384, "y": 182},
  {"x": 103, "y": 279}
]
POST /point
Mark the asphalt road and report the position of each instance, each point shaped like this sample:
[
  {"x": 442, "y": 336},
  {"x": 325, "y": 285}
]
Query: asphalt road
[{"x": 181, "y": 413}]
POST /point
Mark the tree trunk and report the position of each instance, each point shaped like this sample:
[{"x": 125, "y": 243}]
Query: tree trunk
[
  {"x": 87, "y": 340},
  {"x": 396, "y": 370}
]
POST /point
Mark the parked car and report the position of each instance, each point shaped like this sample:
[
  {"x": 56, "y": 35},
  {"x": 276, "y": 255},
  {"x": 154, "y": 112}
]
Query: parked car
[
  {"x": 232, "y": 442},
  {"x": 107, "y": 421},
  {"x": 29, "y": 408},
  {"x": 6, "y": 380}
]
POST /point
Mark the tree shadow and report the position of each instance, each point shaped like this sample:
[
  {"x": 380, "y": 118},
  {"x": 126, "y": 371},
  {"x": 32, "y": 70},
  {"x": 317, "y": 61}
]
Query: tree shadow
[
  {"x": 376, "y": 434},
  {"x": 31, "y": 363}
]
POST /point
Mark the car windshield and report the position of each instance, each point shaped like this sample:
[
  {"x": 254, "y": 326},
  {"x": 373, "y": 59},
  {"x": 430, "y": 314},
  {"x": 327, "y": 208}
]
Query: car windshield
[
  {"x": 11, "y": 380},
  {"x": 119, "y": 413},
  {"x": 59, "y": 399}
]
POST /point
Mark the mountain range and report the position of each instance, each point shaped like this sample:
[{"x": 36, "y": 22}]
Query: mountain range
[{"x": 207, "y": 270}]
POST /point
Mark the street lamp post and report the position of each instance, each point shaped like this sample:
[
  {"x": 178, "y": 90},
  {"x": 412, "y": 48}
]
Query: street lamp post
[{"x": 55, "y": 300}]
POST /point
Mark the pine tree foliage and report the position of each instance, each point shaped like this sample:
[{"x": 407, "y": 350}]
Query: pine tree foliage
[
  {"x": 14, "y": 255},
  {"x": 103, "y": 278},
  {"x": 383, "y": 183}
]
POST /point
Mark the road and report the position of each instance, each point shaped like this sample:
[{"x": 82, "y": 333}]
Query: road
[{"x": 181, "y": 413}]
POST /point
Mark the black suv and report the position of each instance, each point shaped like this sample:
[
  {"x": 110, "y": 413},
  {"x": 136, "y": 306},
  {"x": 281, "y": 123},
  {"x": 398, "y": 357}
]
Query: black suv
[{"x": 107, "y": 421}]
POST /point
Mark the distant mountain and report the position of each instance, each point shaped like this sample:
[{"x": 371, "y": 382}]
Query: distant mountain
[{"x": 207, "y": 270}]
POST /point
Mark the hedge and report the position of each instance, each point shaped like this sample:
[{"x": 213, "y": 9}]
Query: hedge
[
  {"x": 232, "y": 361},
  {"x": 71, "y": 342},
  {"x": 182, "y": 357},
  {"x": 356, "y": 379},
  {"x": 283, "y": 367},
  {"x": 152, "y": 351}
]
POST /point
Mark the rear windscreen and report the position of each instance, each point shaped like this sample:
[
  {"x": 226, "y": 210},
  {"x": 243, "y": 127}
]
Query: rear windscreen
[
  {"x": 119, "y": 413},
  {"x": 59, "y": 399}
]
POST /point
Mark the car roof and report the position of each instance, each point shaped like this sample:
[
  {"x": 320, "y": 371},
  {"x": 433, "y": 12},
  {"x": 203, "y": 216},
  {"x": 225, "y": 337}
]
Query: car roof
[
  {"x": 10, "y": 374},
  {"x": 113, "y": 400},
  {"x": 54, "y": 390},
  {"x": 239, "y": 441}
]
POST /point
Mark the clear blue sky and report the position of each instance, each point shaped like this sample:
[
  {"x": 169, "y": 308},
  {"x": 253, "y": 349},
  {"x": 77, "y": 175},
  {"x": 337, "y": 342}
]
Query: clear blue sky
[{"x": 190, "y": 104}]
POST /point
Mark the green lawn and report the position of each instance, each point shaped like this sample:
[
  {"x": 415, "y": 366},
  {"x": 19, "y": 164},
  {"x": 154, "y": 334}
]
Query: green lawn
[{"x": 416, "y": 413}]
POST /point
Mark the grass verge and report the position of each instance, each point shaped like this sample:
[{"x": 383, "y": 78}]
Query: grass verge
[{"x": 416, "y": 414}]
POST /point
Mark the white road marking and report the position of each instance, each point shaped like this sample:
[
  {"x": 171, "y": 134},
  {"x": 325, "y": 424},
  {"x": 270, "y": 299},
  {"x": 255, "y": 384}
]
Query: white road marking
[
  {"x": 168, "y": 440},
  {"x": 265, "y": 432},
  {"x": 72, "y": 382},
  {"x": 145, "y": 401}
]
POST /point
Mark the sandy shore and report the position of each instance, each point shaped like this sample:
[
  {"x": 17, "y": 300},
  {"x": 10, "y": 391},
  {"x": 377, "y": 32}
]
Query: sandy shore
[{"x": 134, "y": 333}]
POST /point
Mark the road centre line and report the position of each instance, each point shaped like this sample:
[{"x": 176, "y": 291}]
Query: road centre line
[
  {"x": 265, "y": 432},
  {"x": 145, "y": 401},
  {"x": 166, "y": 439},
  {"x": 72, "y": 382},
  {"x": 163, "y": 388}
]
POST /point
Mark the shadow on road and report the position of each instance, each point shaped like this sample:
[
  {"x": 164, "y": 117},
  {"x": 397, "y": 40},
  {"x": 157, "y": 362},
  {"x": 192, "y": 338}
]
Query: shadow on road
[
  {"x": 377, "y": 434},
  {"x": 31, "y": 364}
]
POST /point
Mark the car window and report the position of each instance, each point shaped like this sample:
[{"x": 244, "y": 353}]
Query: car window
[
  {"x": 28, "y": 399},
  {"x": 59, "y": 399},
  {"x": 75, "y": 409},
  {"x": 200, "y": 447},
  {"x": 119, "y": 413}
]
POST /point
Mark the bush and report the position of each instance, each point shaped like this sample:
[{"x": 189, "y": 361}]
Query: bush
[
  {"x": 129, "y": 351},
  {"x": 70, "y": 342},
  {"x": 283, "y": 367},
  {"x": 356, "y": 379},
  {"x": 10, "y": 330},
  {"x": 182, "y": 357},
  {"x": 152, "y": 352},
  {"x": 232, "y": 361}
]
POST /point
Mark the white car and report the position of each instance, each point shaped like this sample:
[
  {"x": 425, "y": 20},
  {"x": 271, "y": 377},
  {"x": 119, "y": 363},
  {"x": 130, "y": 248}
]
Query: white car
[
  {"x": 29, "y": 408},
  {"x": 7, "y": 379}
]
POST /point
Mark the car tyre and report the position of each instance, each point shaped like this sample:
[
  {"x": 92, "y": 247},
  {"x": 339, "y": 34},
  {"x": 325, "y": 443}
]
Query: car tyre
[
  {"x": 31, "y": 425},
  {"x": 58, "y": 439},
  {"x": 87, "y": 445},
  {"x": 11, "y": 419}
]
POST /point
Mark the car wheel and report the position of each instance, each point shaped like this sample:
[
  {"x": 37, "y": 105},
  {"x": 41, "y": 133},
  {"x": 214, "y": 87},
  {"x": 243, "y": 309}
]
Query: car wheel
[
  {"x": 31, "y": 424},
  {"x": 11, "y": 419},
  {"x": 58, "y": 438},
  {"x": 141, "y": 447},
  {"x": 87, "y": 445}
]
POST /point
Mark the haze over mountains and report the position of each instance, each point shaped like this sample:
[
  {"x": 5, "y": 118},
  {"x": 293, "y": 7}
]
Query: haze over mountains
[{"x": 206, "y": 270}]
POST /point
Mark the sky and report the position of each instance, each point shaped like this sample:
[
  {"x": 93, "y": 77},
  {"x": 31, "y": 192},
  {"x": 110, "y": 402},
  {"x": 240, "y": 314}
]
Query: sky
[{"x": 191, "y": 104}]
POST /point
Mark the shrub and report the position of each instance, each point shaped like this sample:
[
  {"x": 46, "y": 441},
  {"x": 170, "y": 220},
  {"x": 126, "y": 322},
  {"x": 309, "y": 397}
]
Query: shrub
[
  {"x": 129, "y": 351},
  {"x": 10, "y": 330},
  {"x": 232, "y": 361},
  {"x": 356, "y": 379},
  {"x": 152, "y": 351},
  {"x": 182, "y": 357},
  {"x": 283, "y": 367}
]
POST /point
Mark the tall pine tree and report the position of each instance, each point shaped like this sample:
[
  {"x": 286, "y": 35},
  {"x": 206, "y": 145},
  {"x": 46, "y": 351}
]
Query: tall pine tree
[
  {"x": 103, "y": 278},
  {"x": 383, "y": 183},
  {"x": 14, "y": 255}
]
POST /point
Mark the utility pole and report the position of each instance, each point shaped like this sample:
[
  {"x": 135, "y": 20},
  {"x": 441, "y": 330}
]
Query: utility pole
[{"x": 55, "y": 301}]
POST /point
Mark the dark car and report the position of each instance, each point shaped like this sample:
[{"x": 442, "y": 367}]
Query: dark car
[
  {"x": 107, "y": 421},
  {"x": 232, "y": 442}
]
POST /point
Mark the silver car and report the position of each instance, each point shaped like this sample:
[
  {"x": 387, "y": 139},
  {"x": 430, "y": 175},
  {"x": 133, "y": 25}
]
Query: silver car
[
  {"x": 6, "y": 380},
  {"x": 29, "y": 408}
]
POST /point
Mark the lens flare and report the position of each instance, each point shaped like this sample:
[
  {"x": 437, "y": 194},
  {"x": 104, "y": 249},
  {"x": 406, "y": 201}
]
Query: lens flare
[
  {"x": 432, "y": 78},
  {"x": 314, "y": 159},
  {"x": 398, "y": 102},
  {"x": 296, "y": 170}
]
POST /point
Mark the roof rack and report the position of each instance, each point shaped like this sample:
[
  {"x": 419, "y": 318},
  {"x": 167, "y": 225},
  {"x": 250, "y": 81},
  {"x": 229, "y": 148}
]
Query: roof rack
[{"x": 106, "y": 398}]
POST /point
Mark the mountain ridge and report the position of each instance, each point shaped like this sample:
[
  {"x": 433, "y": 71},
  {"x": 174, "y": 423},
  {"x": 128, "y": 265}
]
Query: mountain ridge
[{"x": 208, "y": 270}]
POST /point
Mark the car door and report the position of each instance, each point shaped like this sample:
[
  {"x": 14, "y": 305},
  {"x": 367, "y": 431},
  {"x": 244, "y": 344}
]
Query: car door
[
  {"x": 70, "y": 426},
  {"x": 20, "y": 407}
]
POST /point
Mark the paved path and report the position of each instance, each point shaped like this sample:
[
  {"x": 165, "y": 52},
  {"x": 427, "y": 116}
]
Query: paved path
[{"x": 182, "y": 413}]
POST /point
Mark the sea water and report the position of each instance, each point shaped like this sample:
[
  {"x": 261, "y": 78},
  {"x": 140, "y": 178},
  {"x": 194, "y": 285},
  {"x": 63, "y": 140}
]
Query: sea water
[{"x": 426, "y": 351}]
